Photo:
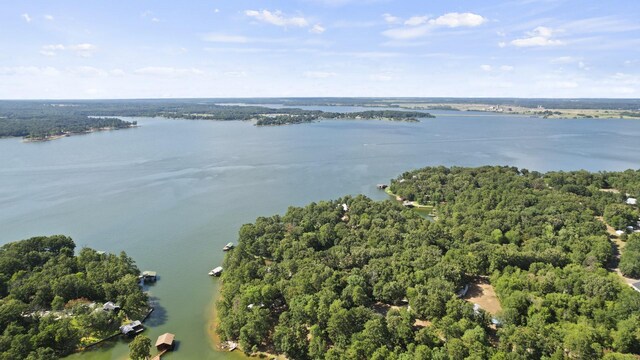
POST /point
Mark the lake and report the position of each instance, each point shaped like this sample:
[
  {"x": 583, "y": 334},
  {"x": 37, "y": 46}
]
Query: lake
[{"x": 171, "y": 193}]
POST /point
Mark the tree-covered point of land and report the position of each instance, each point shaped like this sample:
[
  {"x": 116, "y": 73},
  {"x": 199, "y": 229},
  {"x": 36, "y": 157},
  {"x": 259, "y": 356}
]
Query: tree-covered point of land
[
  {"x": 310, "y": 116},
  {"x": 51, "y": 300},
  {"x": 320, "y": 282},
  {"x": 43, "y": 127}
]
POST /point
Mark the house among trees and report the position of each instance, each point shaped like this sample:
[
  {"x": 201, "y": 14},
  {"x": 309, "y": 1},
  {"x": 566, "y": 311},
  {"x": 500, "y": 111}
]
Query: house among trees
[
  {"x": 111, "y": 307},
  {"x": 165, "y": 342},
  {"x": 632, "y": 201},
  {"x": 132, "y": 329},
  {"x": 636, "y": 286}
]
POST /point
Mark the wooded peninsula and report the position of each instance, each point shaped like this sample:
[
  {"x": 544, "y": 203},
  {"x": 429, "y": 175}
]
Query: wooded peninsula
[
  {"x": 518, "y": 265},
  {"x": 53, "y": 302}
]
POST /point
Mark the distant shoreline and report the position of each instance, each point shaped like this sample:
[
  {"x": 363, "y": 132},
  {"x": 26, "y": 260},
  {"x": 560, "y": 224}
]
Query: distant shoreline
[{"x": 67, "y": 134}]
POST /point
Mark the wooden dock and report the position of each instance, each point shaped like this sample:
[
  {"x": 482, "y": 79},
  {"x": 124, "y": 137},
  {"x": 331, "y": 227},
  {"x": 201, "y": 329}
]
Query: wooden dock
[{"x": 157, "y": 357}]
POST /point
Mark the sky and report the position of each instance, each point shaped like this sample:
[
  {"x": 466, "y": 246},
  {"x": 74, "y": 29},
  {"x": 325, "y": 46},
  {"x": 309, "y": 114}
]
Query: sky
[{"x": 78, "y": 49}]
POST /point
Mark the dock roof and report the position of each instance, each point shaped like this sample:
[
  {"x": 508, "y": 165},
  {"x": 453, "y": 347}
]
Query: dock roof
[{"x": 165, "y": 339}]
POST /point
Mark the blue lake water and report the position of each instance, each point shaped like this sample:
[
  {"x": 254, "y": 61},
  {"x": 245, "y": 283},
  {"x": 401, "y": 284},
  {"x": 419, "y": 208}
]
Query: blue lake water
[{"x": 171, "y": 193}]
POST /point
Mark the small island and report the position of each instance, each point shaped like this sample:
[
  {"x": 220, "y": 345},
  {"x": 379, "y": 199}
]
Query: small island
[
  {"x": 54, "y": 303},
  {"x": 519, "y": 264}
]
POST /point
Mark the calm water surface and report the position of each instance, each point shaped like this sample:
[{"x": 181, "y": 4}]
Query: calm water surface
[{"x": 171, "y": 193}]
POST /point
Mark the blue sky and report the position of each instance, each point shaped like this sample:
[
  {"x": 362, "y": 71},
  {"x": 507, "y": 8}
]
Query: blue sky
[{"x": 224, "y": 48}]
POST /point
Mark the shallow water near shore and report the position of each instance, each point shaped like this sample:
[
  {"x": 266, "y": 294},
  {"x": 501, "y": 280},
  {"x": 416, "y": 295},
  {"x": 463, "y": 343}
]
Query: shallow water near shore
[{"x": 172, "y": 193}]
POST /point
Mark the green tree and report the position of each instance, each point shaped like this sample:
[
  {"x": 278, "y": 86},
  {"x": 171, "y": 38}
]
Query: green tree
[{"x": 140, "y": 348}]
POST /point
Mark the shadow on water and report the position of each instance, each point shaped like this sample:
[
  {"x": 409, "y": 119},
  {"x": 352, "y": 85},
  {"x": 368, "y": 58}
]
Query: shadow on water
[{"x": 159, "y": 315}]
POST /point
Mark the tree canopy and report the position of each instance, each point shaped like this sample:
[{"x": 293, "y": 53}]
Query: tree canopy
[
  {"x": 322, "y": 282},
  {"x": 51, "y": 300}
]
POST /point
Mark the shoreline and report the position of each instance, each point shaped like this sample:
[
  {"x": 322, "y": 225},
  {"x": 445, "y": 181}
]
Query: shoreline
[
  {"x": 541, "y": 112},
  {"x": 68, "y": 134},
  {"x": 216, "y": 342}
]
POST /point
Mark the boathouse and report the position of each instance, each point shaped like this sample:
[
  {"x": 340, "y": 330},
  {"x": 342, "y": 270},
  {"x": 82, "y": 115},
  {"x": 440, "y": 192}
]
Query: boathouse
[
  {"x": 132, "y": 329},
  {"x": 216, "y": 272},
  {"x": 149, "y": 276},
  {"x": 165, "y": 342}
]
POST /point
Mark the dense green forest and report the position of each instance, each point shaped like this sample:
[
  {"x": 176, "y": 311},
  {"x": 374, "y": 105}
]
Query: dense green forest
[
  {"x": 51, "y": 300},
  {"x": 379, "y": 281},
  {"x": 47, "y": 126}
]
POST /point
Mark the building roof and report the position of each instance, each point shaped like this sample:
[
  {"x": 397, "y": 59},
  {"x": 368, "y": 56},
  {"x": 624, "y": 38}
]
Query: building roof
[
  {"x": 132, "y": 326},
  {"x": 165, "y": 339},
  {"x": 636, "y": 285},
  {"x": 109, "y": 305}
]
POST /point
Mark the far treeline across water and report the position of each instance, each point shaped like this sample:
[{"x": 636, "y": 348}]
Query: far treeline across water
[
  {"x": 52, "y": 301},
  {"x": 37, "y": 120},
  {"x": 355, "y": 278}
]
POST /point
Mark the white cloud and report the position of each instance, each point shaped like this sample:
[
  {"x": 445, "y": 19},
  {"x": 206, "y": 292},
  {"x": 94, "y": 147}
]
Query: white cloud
[
  {"x": 84, "y": 50},
  {"x": 390, "y": 19},
  {"x": 48, "y": 17},
  {"x": 455, "y": 19},
  {"x": 155, "y": 19},
  {"x": 419, "y": 26},
  {"x": 30, "y": 71},
  {"x": 416, "y": 20},
  {"x": 540, "y": 36},
  {"x": 224, "y": 38},
  {"x": 51, "y": 50},
  {"x": 406, "y": 33},
  {"x": 167, "y": 71},
  {"x": 117, "y": 72},
  {"x": 502, "y": 44},
  {"x": 318, "y": 74},
  {"x": 26, "y": 17},
  {"x": 317, "y": 29},
  {"x": 502, "y": 68},
  {"x": 216, "y": 10},
  {"x": 277, "y": 18}
]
